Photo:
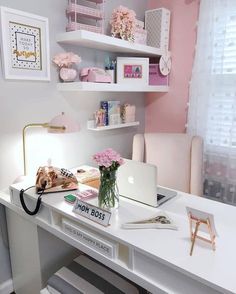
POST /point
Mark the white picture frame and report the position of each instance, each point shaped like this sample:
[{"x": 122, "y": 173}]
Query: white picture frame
[
  {"x": 24, "y": 45},
  {"x": 133, "y": 71},
  {"x": 199, "y": 214}
]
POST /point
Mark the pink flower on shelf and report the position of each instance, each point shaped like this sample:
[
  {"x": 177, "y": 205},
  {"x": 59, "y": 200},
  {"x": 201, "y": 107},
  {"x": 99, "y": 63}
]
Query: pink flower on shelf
[
  {"x": 66, "y": 59},
  {"x": 123, "y": 23},
  {"x": 108, "y": 159}
]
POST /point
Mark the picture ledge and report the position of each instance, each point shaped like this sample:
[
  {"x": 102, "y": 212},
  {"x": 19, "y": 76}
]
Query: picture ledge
[
  {"x": 106, "y": 43},
  {"x": 105, "y": 87}
]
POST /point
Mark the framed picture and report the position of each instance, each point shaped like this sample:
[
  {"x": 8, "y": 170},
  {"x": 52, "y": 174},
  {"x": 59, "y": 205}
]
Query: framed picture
[
  {"x": 25, "y": 45},
  {"x": 132, "y": 70}
]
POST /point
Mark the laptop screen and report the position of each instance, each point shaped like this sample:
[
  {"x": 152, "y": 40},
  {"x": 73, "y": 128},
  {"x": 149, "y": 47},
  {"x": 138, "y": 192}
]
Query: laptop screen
[{"x": 137, "y": 181}]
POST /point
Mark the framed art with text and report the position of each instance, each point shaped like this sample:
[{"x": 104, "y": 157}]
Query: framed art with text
[{"x": 25, "y": 45}]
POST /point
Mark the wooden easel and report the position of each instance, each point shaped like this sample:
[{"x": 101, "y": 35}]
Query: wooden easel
[{"x": 193, "y": 233}]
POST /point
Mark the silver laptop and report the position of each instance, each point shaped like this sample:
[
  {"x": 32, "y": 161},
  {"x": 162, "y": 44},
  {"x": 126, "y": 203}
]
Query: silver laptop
[{"x": 138, "y": 181}]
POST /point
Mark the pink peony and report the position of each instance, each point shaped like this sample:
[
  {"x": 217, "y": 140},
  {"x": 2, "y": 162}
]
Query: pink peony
[
  {"x": 108, "y": 159},
  {"x": 66, "y": 59},
  {"x": 123, "y": 23}
]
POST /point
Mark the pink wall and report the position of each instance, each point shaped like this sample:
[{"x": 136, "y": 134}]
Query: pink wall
[{"x": 167, "y": 112}]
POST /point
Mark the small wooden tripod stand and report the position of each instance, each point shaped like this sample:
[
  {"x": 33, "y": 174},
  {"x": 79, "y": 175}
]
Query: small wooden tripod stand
[{"x": 193, "y": 231}]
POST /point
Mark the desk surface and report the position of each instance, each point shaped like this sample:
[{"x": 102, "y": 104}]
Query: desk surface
[{"x": 170, "y": 248}]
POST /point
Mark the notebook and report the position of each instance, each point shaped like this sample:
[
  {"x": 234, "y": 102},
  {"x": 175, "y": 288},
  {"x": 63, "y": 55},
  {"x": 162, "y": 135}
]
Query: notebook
[{"x": 138, "y": 181}]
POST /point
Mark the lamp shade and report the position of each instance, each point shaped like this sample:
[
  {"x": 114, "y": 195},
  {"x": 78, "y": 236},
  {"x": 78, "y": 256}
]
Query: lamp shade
[{"x": 63, "y": 120}]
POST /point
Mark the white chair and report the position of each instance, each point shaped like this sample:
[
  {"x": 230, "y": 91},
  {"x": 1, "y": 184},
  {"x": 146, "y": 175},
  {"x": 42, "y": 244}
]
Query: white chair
[{"x": 178, "y": 157}]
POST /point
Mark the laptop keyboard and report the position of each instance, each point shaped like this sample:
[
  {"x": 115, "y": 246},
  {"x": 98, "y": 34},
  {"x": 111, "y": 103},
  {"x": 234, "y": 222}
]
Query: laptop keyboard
[{"x": 160, "y": 196}]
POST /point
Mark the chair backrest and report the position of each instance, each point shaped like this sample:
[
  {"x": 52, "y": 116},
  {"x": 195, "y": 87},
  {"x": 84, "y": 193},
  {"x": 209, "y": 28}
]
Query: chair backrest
[{"x": 178, "y": 158}]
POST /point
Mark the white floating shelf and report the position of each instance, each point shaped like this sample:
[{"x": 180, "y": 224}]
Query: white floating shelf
[
  {"x": 106, "y": 43},
  {"x": 105, "y": 87},
  {"x": 119, "y": 126}
]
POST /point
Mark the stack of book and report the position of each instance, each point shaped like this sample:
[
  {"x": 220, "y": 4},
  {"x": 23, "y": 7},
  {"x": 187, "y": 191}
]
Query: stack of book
[
  {"x": 88, "y": 176},
  {"x": 112, "y": 112}
]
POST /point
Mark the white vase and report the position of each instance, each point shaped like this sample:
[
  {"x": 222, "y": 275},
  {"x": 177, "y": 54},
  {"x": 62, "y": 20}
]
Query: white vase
[{"x": 68, "y": 74}]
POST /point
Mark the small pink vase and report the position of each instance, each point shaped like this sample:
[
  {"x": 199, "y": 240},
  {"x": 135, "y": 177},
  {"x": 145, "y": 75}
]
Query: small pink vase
[{"x": 68, "y": 74}]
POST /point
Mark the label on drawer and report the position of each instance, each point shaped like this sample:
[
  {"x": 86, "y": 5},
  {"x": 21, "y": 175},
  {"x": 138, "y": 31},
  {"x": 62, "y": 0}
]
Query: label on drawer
[{"x": 104, "y": 247}]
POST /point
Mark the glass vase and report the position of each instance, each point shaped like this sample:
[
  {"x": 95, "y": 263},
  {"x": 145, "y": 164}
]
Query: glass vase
[{"x": 108, "y": 195}]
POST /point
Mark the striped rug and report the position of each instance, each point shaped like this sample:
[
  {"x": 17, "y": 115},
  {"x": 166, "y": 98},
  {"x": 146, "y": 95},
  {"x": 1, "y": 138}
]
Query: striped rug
[{"x": 86, "y": 276}]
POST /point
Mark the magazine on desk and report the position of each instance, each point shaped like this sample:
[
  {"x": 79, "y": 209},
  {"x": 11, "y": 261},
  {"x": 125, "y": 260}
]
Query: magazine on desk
[
  {"x": 160, "y": 221},
  {"x": 86, "y": 175}
]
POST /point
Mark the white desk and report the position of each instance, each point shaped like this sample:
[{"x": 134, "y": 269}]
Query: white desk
[{"x": 158, "y": 260}]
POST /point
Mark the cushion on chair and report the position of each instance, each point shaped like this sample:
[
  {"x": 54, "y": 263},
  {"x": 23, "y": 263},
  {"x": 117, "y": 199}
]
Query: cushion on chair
[
  {"x": 85, "y": 275},
  {"x": 178, "y": 158},
  {"x": 138, "y": 147},
  {"x": 171, "y": 154}
]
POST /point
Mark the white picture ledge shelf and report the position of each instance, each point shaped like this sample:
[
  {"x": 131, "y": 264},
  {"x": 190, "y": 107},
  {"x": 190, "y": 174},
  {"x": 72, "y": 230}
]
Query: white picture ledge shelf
[
  {"x": 105, "y": 87},
  {"x": 119, "y": 126},
  {"x": 106, "y": 43}
]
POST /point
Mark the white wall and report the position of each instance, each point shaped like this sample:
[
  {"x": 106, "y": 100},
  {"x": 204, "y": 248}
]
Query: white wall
[{"x": 24, "y": 102}]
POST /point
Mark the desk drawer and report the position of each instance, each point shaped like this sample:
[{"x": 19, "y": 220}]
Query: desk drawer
[
  {"x": 169, "y": 279},
  {"x": 91, "y": 239}
]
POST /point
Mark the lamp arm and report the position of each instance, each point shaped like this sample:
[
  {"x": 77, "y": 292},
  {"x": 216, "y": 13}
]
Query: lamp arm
[{"x": 42, "y": 125}]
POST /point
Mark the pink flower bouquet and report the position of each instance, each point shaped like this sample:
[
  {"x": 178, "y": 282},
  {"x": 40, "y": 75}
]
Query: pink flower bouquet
[
  {"x": 123, "y": 23},
  {"x": 108, "y": 162},
  {"x": 108, "y": 159},
  {"x": 66, "y": 59}
]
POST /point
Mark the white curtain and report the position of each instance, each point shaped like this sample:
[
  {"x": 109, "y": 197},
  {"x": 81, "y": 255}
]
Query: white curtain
[{"x": 212, "y": 105}]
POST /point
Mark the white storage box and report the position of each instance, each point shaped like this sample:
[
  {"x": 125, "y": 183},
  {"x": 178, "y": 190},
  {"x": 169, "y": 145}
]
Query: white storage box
[{"x": 157, "y": 24}]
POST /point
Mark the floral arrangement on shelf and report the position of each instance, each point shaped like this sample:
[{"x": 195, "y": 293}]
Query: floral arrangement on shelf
[
  {"x": 123, "y": 23},
  {"x": 66, "y": 59},
  {"x": 108, "y": 162}
]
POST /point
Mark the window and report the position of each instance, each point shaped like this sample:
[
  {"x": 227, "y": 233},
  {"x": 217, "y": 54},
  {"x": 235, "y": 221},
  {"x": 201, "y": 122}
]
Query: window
[
  {"x": 221, "y": 121},
  {"x": 212, "y": 107}
]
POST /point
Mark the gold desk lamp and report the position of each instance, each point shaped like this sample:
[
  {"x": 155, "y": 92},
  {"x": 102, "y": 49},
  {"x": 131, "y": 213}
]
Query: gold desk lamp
[{"x": 59, "y": 124}]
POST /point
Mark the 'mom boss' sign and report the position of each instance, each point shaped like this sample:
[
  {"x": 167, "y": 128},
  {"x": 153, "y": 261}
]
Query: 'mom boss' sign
[{"x": 92, "y": 212}]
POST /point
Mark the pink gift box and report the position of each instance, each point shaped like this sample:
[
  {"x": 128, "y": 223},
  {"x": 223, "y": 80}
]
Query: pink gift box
[
  {"x": 155, "y": 76},
  {"x": 128, "y": 113},
  {"x": 140, "y": 36}
]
